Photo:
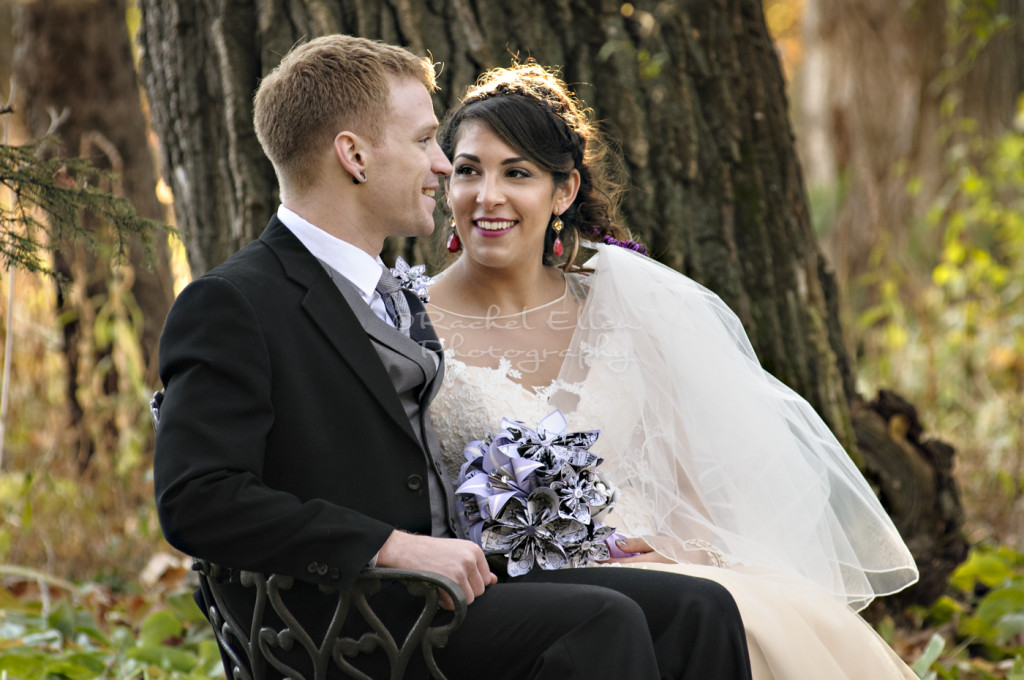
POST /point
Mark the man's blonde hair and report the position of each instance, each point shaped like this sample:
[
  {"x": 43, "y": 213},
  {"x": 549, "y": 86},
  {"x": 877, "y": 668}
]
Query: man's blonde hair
[{"x": 330, "y": 84}]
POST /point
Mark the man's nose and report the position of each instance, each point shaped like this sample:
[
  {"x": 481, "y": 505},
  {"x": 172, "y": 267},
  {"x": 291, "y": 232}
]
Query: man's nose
[{"x": 440, "y": 164}]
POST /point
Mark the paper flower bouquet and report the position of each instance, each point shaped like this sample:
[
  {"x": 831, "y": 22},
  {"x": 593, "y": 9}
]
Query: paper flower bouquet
[{"x": 535, "y": 496}]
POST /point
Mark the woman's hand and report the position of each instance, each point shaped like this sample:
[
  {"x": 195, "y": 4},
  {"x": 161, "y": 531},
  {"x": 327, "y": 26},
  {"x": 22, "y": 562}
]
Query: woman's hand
[{"x": 637, "y": 545}]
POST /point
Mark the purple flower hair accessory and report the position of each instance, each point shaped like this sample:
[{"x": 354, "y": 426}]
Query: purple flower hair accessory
[
  {"x": 610, "y": 240},
  {"x": 631, "y": 245}
]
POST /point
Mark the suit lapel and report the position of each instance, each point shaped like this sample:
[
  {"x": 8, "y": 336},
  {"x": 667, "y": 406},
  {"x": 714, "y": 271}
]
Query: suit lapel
[
  {"x": 380, "y": 331},
  {"x": 336, "y": 318}
]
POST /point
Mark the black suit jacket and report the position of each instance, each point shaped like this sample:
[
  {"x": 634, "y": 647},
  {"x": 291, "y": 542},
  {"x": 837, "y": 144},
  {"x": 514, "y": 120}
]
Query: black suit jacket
[{"x": 282, "y": 444}]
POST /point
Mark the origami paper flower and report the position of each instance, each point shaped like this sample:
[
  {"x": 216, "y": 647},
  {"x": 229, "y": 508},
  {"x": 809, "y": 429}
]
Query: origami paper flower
[
  {"x": 494, "y": 477},
  {"x": 533, "y": 532},
  {"x": 577, "y": 491},
  {"x": 592, "y": 549},
  {"x": 549, "y": 443},
  {"x": 413, "y": 278}
]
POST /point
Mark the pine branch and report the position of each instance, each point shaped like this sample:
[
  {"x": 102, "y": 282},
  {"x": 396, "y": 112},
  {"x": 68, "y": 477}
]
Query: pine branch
[{"x": 51, "y": 196}]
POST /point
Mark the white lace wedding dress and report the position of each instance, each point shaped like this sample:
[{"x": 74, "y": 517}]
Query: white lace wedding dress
[{"x": 719, "y": 466}]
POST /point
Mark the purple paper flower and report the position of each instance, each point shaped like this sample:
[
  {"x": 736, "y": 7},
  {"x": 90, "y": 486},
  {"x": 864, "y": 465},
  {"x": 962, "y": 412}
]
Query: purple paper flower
[
  {"x": 550, "y": 445},
  {"x": 494, "y": 475},
  {"x": 413, "y": 278}
]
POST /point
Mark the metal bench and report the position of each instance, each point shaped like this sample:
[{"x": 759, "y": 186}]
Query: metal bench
[{"x": 260, "y": 642}]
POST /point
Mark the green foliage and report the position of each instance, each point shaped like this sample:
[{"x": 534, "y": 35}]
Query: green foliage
[
  {"x": 983, "y": 615},
  {"x": 945, "y": 327},
  {"x": 971, "y": 25},
  {"x": 50, "y": 196},
  {"x": 105, "y": 527},
  {"x": 991, "y": 583},
  {"x": 87, "y": 632},
  {"x": 954, "y": 342},
  {"x": 930, "y": 655},
  {"x": 74, "y": 494}
]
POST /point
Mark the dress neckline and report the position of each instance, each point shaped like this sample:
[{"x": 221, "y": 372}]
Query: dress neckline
[
  {"x": 504, "y": 372},
  {"x": 491, "y": 317}
]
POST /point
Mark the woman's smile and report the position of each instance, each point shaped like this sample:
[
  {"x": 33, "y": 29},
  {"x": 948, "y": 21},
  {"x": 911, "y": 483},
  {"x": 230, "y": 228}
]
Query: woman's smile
[{"x": 492, "y": 227}]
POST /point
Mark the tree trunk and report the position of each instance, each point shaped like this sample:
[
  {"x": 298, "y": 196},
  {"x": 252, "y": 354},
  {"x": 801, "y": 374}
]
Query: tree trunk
[
  {"x": 692, "y": 90},
  {"x": 201, "y": 61},
  {"x": 77, "y": 56}
]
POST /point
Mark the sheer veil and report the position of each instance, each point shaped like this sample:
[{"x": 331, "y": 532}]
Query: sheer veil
[{"x": 716, "y": 460}]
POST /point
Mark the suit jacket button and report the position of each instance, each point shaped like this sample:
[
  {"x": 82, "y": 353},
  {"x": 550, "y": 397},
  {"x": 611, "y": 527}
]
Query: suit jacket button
[
  {"x": 415, "y": 482},
  {"x": 322, "y": 570},
  {"x": 312, "y": 567}
]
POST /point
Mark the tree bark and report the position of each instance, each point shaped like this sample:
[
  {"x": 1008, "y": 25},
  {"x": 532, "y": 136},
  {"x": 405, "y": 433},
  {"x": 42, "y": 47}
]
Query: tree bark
[
  {"x": 201, "y": 61},
  {"x": 77, "y": 56},
  {"x": 691, "y": 89}
]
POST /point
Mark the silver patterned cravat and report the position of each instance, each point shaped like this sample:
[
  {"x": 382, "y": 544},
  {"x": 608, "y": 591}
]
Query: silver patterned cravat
[{"x": 394, "y": 301}]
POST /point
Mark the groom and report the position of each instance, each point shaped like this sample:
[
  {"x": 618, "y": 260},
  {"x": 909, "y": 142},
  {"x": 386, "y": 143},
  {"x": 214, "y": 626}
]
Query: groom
[{"x": 294, "y": 434}]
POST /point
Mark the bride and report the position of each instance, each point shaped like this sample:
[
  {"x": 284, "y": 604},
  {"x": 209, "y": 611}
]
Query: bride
[{"x": 723, "y": 472}]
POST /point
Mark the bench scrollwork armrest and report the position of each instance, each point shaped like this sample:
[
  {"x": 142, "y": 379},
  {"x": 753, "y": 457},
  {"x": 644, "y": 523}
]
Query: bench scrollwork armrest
[{"x": 259, "y": 641}]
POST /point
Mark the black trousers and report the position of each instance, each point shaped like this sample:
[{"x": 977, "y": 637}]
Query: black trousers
[{"x": 600, "y": 623}]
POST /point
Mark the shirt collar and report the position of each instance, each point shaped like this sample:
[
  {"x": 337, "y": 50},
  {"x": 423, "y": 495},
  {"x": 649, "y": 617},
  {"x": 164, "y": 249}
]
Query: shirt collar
[{"x": 354, "y": 263}]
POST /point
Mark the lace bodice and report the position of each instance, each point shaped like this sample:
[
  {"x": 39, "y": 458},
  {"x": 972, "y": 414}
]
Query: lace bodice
[
  {"x": 473, "y": 400},
  {"x": 505, "y": 367}
]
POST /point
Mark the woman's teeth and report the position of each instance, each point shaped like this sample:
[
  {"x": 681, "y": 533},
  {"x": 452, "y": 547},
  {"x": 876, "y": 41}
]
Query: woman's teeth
[{"x": 495, "y": 225}]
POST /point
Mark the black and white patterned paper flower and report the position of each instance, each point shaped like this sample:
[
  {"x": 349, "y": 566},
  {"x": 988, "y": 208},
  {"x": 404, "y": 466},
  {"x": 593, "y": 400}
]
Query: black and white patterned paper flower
[
  {"x": 413, "y": 278},
  {"x": 594, "y": 548},
  {"x": 578, "y": 490},
  {"x": 533, "y": 532},
  {"x": 550, "y": 444}
]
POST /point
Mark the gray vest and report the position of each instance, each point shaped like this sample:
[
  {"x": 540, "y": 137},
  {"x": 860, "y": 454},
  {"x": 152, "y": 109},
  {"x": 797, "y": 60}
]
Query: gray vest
[{"x": 416, "y": 373}]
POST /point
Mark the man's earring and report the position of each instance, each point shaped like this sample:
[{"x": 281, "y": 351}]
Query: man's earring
[
  {"x": 556, "y": 226},
  {"x": 454, "y": 245},
  {"x": 360, "y": 179}
]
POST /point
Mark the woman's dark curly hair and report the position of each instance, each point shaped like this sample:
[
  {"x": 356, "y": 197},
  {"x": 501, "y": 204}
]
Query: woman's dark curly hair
[{"x": 531, "y": 109}]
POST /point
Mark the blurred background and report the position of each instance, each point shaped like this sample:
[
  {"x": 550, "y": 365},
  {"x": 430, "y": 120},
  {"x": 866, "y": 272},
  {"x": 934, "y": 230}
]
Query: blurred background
[{"x": 882, "y": 141}]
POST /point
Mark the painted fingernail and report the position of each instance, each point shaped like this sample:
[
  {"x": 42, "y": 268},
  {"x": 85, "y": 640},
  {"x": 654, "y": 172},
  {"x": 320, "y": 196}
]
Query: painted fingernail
[{"x": 621, "y": 542}]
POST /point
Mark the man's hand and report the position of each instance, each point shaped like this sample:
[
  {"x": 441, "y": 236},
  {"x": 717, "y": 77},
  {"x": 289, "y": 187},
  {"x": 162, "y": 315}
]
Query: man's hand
[
  {"x": 637, "y": 545},
  {"x": 460, "y": 560}
]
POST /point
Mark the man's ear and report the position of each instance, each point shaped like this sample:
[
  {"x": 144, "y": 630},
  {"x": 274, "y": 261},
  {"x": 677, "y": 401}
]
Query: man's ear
[
  {"x": 350, "y": 150},
  {"x": 565, "y": 193}
]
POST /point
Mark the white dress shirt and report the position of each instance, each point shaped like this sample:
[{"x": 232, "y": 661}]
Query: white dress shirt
[{"x": 355, "y": 264}]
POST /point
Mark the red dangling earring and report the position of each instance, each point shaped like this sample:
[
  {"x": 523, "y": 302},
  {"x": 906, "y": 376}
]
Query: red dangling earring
[
  {"x": 454, "y": 245},
  {"x": 556, "y": 226}
]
